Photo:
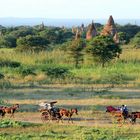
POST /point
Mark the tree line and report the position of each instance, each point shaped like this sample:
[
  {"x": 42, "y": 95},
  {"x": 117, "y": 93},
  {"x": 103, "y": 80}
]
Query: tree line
[{"x": 101, "y": 48}]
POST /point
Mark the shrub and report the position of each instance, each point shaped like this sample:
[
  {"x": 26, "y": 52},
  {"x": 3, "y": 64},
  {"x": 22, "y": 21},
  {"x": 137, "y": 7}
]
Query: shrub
[
  {"x": 7, "y": 41},
  {"x": 1, "y": 76},
  {"x": 9, "y": 63},
  {"x": 32, "y": 43},
  {"x": 57, "y": 72},
  {"x": 26, "y": 71},
  {"x": 136, "y": 40}
]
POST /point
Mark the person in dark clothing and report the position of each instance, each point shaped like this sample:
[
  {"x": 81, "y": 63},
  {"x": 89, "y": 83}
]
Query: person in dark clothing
[{"x": 124, "y": 110}]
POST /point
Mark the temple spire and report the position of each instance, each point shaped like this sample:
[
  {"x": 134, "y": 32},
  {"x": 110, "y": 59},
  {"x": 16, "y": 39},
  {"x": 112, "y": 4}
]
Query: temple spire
[
  {"x": 92, "y": 32},
  {"x": 42, "y": 26},
  {"x": 78, "y": 34},
  {"x": 109, "y": 28},
  {"x": 111, "y": 21}
]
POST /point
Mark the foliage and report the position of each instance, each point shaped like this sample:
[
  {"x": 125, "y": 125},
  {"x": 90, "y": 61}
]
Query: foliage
[
  {"x": 122, "y": 37},
  {"x": 103, "y": 49},
  {"x": 136, "y": 40},
  {"x": 32, "y": 43},
  {"x": 65, "y": 46},
  {"x": 88, "y": 73},
  {"x": 1, "y": 76},
  {"x": 56, "y": 35},
  {"x": 7, "y": 41},
  {"x": 25, "y": 71},
  {"x": 57, "y": 72},
  {"x": 75, "y": 50},
  {"x": 9, "y": 63},
  {"x": 10, "y": 123},
  {"x": 129, "y": 30},
  {"x": 22, "y": 31}
]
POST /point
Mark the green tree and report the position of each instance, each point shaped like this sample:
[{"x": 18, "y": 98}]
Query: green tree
[
  {"x": 123, "y": 37},
  {"x": 129, "y": 30},
  {"x": 32, "y": 43},
  {"x": 136, "y": 40},
  {"x": 22, "y": 31},
  {"x": 53, "y": 35},
  {"x": 103, "y": 49},
  {"x": 7, "y": 41},
  {"x": 75, "y": 50}
]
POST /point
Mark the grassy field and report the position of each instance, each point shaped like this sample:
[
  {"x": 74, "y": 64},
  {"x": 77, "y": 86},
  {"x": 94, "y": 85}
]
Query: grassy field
[
  {"x": 89, "y": 88},
  {"x": 91, "y": 123},
  {"x": 67, "y": 132},
  {"x": 122, "y": 72}
]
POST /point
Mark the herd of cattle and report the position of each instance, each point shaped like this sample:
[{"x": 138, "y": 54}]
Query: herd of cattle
[{"x": 49, "y": 112}]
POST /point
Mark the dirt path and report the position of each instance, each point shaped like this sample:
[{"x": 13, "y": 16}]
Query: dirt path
[{"x": 95, "y": 122}]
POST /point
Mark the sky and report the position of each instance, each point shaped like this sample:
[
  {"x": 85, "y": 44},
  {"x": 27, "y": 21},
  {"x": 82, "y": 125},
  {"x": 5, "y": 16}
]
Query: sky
[{"x": 71, "y": 9}]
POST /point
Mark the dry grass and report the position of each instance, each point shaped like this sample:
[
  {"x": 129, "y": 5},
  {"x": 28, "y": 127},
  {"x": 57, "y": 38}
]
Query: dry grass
[{"x": 95, "y": 101}]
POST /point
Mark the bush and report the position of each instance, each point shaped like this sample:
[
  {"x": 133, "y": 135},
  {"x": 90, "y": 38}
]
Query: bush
[
  {"x": 136, "y": 40},
  {"x": 57, "y": 72},
  {"x": 32, "y": 43},
  {"x": 1, "y": 76},
  {"x": 9, "y": 63},
  {"x": 7, "y": 42},
  {"x": 26, "y": 71}
]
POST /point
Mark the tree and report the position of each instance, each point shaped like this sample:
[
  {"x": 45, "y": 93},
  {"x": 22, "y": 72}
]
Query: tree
[
  {"x": 129, "y": 30},
  {"x": 53, "y": 35},
  {"x": 75, "y": 50},
  {"x": 136, "y": 40},
  {"x": 22, "y": 32},
  {"x": 123, "y": 37},
  {"x": 7, "y": 41},
  {"x": 103, "y": 49},
  {"x": 57, "y": 35},
  {"x": 32, "y": 43}
]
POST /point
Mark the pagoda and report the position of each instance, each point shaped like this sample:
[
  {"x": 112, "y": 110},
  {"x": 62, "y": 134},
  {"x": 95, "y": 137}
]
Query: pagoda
[
  {"x": 78, "y": 34},
  {"x": 92, "y": 32},
  {"x": 109, "y": 28}
]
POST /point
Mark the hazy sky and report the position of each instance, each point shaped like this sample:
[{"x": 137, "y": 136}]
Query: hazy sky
[{"x": 70, "y": 8}]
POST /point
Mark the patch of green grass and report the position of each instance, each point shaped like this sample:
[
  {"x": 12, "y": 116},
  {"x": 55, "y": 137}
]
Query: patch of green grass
[
  {"x": 61, "y": 132},
  {"x": 11, "y": 123}
]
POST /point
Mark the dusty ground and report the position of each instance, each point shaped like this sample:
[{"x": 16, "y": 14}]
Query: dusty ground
[{"x": 91, "y": 105}]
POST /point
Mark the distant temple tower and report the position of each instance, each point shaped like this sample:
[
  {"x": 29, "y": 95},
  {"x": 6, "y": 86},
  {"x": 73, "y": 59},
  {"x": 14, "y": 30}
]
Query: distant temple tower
[
  {"x": 42, "y": 26},
  {"x": 92, "y": 32},
  {"x": 78, "y": 34},
  {"x": 82, "y": 27},
  {"x": 110, "y": 30}
]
